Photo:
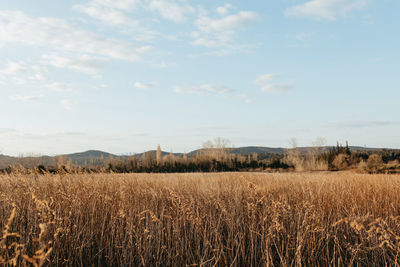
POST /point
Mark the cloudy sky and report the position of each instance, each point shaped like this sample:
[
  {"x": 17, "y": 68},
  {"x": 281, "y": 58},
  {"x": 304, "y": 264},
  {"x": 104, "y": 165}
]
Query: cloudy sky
[{"x": 126, "y": 75}]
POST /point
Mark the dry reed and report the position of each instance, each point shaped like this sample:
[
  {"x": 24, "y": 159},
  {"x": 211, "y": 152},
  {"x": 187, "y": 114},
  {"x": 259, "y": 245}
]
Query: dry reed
[{"x": 225, "y": 219}]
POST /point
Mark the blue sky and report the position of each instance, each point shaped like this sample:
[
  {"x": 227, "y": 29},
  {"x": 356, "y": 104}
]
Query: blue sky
[{"x": 126, "y": 75}]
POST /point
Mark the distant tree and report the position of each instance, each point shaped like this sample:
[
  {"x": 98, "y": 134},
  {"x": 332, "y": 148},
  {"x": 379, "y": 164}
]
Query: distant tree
[
  {"x": 374, "y": 162},
  {"x": 341, "y": 161},
  {"x": 217, "y": 150},
  {"x": 159, "y": 155}
]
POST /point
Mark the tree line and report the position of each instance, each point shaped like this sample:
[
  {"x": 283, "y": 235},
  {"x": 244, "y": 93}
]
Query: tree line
[{"x": 216, "y": 157}]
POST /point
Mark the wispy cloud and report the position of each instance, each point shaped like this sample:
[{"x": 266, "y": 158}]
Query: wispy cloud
[
  {"x": 170, "y": 10},
  {"x": 266, "y": 84},
  {"x": 59, "y": 87},
  {"x": 25, "y": 98},
  {"x": 59, "y": 35},
  {"x": 223, "y": 10},
  {"x": 119, "y": 14},
  {"x": 326, "y": 9},
  {"x": 206, "y": 89},
  {"x": 213, "y": 32},
  {"x": 110, "y": 12},
  {"x": 143, "y": 85},
  {"x": 14, "y": 68},
  {"x": 21, "y": 72},
  {"x": 219, "y": 32},
  {"x": 83, "y": 63}
]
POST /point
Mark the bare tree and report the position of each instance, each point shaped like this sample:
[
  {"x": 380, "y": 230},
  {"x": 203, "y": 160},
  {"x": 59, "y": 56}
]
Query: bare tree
[
  {"x": 159, "y": 155},
  {"x": 216, "y": 150}
]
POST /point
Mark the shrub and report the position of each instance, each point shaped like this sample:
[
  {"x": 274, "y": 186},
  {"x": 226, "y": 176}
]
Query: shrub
[
  {"x": 341, "y": 162},
  {"x": 374, "y": 162}
]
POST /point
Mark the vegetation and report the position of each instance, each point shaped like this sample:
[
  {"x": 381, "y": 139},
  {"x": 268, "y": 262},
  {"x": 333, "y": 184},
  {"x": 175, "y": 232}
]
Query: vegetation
[
  {"x": 227, "y": 219},
  {"x": 215, "y": 156}
]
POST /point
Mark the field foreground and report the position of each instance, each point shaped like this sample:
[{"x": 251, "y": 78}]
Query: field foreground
[{"x": 237, "y": 219}]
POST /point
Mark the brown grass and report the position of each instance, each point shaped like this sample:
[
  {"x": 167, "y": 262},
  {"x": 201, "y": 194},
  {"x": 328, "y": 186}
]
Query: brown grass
[{"x": 227, "y": 219}]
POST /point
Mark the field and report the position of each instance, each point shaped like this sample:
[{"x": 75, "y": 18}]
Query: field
[{"x": 224, "y": 219}]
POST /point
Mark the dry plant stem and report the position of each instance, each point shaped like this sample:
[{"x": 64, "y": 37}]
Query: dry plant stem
[{"x": 225, "y": 219}]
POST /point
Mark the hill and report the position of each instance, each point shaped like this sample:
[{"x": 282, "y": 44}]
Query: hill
[{"x": 82, "y": 157}]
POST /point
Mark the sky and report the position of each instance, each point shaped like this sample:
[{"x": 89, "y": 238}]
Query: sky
[{"x": 126, "y": 75}]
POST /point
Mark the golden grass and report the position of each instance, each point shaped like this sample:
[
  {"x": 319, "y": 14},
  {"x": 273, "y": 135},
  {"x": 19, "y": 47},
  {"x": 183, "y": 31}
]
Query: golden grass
[{"x": 225, "y": 219}]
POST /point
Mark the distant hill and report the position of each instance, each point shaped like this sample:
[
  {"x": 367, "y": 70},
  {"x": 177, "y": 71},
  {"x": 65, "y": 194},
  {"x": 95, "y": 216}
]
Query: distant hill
[
  {"x": 246, "y": 150},
  {"x": 362, "y": 148},
  {"x": 82, "y": 157},
  {"x": 29, "y": 161},
  {"x": 6, "y": 161},
  {"x": 278, "y": 150},
  {"x": 257, "y": 149}
]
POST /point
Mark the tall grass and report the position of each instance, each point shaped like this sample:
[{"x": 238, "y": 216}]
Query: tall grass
[{"x": 227, "y": 219}]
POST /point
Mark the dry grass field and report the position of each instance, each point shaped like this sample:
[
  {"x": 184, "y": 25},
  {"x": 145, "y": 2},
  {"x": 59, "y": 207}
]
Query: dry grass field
[{"x": 224, "y": 219}]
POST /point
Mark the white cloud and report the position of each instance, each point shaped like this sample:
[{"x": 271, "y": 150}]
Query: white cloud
[
  {"x": 206, "y": 89},
  {"x": 14, "y": 68},
  {"x": 266, "y": 78},
  {"x": 223, "y": 10},
  {"x": 21, "y": 72},
  {"x": 25, "y": 98},
  {"x": 231, "y": 22},
  {"x": 170, "y": 10},
  {"x": 84, "y": 63},
  {"x": 120, "y": 4},
  {"x": 266, "y": 85},
  {"x": 110, "y": 12},
  {"x": 276, "y": 88},
  {"x": 226, "y": 49},
  {"x": 142, "y": 85},
  {"x": 326, "y": 9},
  {"x": 220, "y": 32},
  {"x": 59, "y": 87},
  {"x": 66, "y": 104},
  {"x": 212, "y": 41},
  {"x": 57, "y": 34},
  {"x": 119, "y": 14}
]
